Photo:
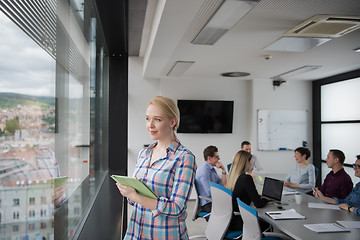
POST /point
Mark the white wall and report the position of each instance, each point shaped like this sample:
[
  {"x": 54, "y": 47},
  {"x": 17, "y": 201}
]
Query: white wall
[
  {"x": 248, "y": 97},
  {"x": 293, "y": 95},
  {"x": 140, "y": 92}
]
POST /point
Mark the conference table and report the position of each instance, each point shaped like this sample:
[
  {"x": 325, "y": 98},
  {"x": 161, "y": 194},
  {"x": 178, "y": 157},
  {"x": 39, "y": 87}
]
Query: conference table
[{"x": 295, "y": 227}]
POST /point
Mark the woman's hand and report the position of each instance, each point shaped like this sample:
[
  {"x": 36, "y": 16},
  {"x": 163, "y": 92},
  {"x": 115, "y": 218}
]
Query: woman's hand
[
  {"x": 126, "y": 191},
  {"x": 134, "y": 197},
  {"x": 291, "y": 185}
]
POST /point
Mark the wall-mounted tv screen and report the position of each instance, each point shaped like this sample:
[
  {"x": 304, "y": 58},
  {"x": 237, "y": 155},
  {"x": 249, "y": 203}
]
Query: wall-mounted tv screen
[{"x": 199, "y": 116}]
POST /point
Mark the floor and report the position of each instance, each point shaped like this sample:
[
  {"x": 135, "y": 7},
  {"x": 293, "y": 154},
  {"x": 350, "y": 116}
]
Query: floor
[{"x": 196, "y": 227}]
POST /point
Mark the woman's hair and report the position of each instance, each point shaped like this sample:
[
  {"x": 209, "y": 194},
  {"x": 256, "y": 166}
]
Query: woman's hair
[
  {"x": 238, "y": 167},
  {"x": 169, "y": 107},
  {"x": 303, "y": 151}
]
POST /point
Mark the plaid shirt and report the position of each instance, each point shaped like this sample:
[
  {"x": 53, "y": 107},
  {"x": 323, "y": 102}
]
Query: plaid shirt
[{"x": 171, "y": 178}]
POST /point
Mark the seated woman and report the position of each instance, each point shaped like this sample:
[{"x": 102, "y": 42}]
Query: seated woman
[
  {"x": 302, "y": 175},
  {"x": 243, "y": 187},
  {"x": 352, "y": 201}
]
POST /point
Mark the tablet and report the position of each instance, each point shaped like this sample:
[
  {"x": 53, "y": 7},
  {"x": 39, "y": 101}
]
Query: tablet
[{"x": 135, "y": 183}]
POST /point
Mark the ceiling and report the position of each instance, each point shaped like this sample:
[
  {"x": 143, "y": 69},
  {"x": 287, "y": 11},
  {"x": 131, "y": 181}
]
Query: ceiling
[{"x": 161, "y": 31}]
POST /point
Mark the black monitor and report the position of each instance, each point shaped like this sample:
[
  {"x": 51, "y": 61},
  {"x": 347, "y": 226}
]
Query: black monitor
[{"x": 205, "y": 116}]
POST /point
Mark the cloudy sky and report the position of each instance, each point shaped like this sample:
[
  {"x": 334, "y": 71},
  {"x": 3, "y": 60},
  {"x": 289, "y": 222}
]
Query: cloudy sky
[
  {"x": 28, "y": 69},
  {"x": 24, "y": 66}
]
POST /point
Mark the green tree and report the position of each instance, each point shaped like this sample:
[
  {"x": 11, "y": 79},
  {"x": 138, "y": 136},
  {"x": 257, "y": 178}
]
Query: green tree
[{"x": 12, "y": 125}]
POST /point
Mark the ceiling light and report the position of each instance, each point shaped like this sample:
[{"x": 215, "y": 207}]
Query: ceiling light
[
  {"x": 235, "y": 74},
  {"x": 225, "y": 17},
  {"x": 179, "y": 68},
  {"x": 357, "y": 50},
  {"x": 295, "y": 72}
]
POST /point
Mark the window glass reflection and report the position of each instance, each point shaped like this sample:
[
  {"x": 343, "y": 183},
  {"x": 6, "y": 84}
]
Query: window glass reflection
[
  {"x": 47, "y": 123},
  {"x": 27, "y": 135},
  {"x": 51, "y": 126}
]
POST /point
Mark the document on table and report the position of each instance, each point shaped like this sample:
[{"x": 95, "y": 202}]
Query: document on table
[
  {"x": 323, "y": 206},
  {"x": 326, "y": 227},
  {"x": 289, "y": 192},
  {"x": 285, "y": 214},
  {"x": 350, "y": 224}
]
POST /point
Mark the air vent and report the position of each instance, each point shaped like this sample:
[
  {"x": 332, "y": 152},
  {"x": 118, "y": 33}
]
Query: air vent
[{"x": 328, "y": 26}]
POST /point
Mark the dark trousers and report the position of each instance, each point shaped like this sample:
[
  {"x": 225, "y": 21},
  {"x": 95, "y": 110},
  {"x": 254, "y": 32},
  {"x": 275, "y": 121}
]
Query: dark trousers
[{"x": 206, "y": 207}]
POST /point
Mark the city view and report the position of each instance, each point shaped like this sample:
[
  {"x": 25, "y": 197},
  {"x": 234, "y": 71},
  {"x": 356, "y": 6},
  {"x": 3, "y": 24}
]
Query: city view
[
  {"x": 27, "y": 126},
  {"x": 30, "y": 193}
]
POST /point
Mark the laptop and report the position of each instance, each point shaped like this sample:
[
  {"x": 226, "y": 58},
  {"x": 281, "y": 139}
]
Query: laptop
[{"x": 273, "y": 189}]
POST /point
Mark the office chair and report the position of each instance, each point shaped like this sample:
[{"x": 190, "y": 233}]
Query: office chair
[
  {"x": 251, "y": 227},
  {"x": 316, "y": 173},
  {"x": 197, "y": 213},
  {"x": 221, "y": 214},
  {"x": 310, "y": 192},
  {"x": 228, "y": 167},
  {"x": 197, "y": 208}
]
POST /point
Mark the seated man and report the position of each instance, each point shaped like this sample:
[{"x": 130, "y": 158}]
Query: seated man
[
  {"x": 246, "y": 146},
  {"x": 352, "y": 202},
  {"x": 207, "y": 173},
  {"x": 337, "y": 183}
]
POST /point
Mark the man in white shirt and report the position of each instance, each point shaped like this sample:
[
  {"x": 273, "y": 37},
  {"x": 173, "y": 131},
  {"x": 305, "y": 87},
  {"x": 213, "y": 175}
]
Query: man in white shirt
[{"x": 246, "y": 146}]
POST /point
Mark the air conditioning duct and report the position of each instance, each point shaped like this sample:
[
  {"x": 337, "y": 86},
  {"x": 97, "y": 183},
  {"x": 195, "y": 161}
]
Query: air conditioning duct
[{"x": 327, "y": 26}]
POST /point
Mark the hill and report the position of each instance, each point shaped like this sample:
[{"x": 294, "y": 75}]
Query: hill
[{"x": 10, "y": 100}]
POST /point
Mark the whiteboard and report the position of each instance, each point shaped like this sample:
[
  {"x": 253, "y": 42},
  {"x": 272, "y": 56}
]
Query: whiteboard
[{"x": 282, "y": 129}]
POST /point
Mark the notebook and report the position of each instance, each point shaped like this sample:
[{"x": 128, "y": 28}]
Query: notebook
[{"x": 273, "y": 189}]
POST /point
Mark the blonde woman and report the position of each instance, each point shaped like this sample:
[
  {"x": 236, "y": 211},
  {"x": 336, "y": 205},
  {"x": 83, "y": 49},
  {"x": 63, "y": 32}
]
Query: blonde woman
[
  {"x": 168, "y": 168},
  {"x": 243, "y": 187}
]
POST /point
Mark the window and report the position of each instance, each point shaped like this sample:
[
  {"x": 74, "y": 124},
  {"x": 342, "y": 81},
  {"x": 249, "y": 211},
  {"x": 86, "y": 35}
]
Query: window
[
  {"x": 31, "y": 226},
  {"x": 76, "y": 210},
  {"x": 43, "y": 225},
  {"x": 16, "y": 215},
  {"x": 16, "y": 202},
  {"x": 15, "y": 228},
  {"x": 338, "y": 119},
  {"x": 43, "y": 212},
  {"x": 31, "y": 213},
  {"x": 340, "y": 126},
  {"x": 53, "y": 106}
]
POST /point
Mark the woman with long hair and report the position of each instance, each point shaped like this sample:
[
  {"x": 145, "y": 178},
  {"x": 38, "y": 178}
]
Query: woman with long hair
[
  {"x": 168, "y": 169},
  {"x": 243, "y": 187}
]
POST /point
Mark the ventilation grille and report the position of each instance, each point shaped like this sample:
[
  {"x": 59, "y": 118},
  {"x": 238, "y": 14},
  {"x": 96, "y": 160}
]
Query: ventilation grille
[{"x": 328, "y": 26}]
